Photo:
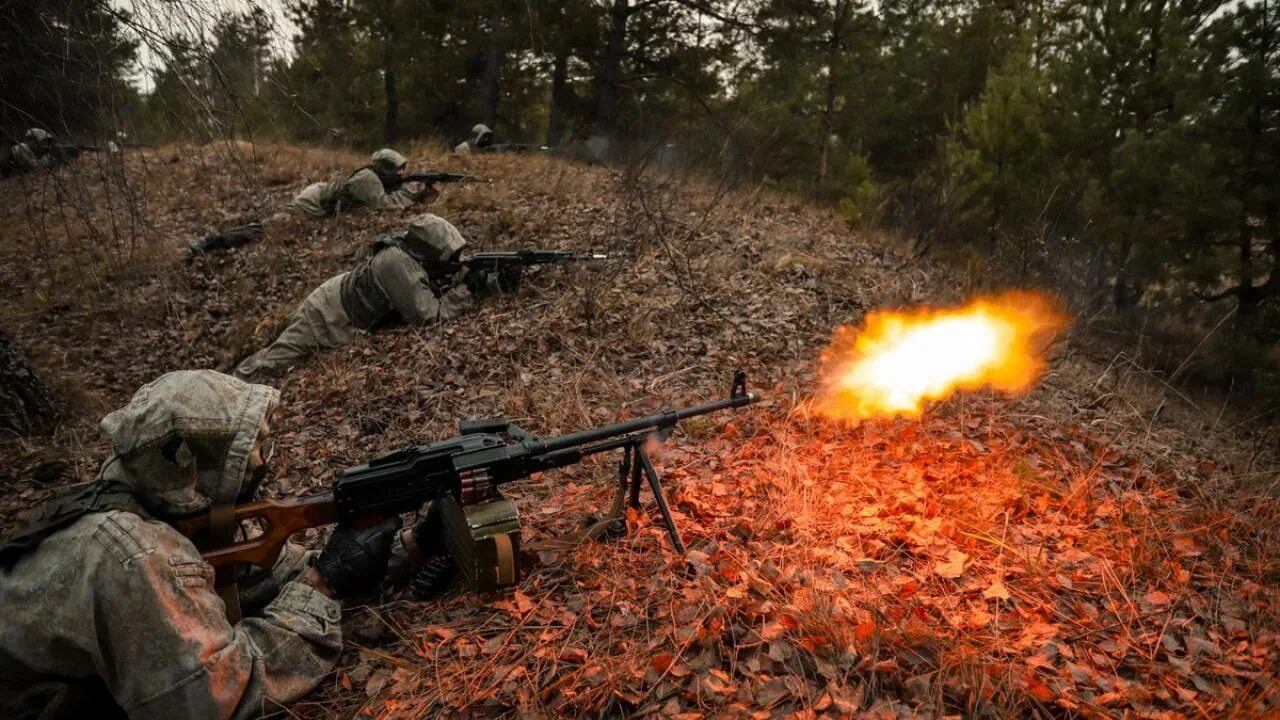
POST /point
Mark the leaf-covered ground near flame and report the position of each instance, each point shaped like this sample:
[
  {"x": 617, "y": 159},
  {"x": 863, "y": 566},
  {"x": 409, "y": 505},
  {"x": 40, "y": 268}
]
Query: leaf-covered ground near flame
[{"x": 1104, "y": 547}]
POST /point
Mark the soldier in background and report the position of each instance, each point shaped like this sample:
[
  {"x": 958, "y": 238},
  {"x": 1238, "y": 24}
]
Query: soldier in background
[
  {"x": 481, "y": 137},
  {"x": 391, "y": 288},
  {"x": 35, "y": 151},
  {"x": 482, "y": 142},
  {"x": 40, "y": 149},
  {"x": 376, "y": 186}
]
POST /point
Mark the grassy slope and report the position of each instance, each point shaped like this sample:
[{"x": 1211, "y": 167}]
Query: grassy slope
[{"x": 1108, "y": 561}]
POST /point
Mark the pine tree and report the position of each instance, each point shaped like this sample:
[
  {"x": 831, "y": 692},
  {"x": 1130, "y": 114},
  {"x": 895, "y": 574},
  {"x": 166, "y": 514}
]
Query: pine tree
[{"x": 62, "y": 65}]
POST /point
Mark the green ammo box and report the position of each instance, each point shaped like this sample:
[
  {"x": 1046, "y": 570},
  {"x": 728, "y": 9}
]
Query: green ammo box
[{"x": 484, "y": 540}]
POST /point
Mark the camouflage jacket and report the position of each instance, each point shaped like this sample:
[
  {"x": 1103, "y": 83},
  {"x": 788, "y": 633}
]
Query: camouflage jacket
[
  {"x": 129, "y": 601},
  {"x": 362, "y": 189},
  {"x": 392, "y": 285}
]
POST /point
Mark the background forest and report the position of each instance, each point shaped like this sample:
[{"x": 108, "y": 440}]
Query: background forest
[{"x": 1125, "y": 153}]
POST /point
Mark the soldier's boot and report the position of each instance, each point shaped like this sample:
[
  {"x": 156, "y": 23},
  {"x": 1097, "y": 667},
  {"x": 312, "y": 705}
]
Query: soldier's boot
[{"x": 227, "y": 239}]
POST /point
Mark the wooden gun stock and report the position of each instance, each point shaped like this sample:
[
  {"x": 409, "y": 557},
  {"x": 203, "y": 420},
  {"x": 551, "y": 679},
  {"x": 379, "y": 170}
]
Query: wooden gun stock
[{"x": 282, "y": 518}]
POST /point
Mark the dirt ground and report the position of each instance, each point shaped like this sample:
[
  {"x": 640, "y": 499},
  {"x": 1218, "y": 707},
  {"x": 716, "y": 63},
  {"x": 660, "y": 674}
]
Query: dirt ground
[{"x": 1103, "y": 547}]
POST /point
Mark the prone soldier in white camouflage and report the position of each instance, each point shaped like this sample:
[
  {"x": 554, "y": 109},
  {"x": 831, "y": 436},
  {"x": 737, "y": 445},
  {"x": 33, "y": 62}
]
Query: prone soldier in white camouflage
[
  {"x": 39, "y": 149},
  {"x": 391, "y": 288},
  {"x": 34, "y": 150},
  {"x": 108, "y": 610},
  {"x": 481, "y": 137},
  {"x": 376, "y": 186}
]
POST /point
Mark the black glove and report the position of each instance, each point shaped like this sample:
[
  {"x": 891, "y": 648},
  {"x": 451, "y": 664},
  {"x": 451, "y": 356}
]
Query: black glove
[
  {"x": 509, "y": 277},
  {"x": 354, "y": 561},
  {"x": 477, "y": 281}
]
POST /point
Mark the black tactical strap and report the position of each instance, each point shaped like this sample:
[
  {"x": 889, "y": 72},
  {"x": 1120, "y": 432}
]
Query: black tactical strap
[{"x": 64, "y": 509}]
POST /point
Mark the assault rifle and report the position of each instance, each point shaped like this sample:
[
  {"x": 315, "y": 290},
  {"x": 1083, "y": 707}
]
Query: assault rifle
[
  {"x": 468, "y": 468},
  {"x": 70, "y": 151},
  {"x": 509, "y": 148},
  {"x": 391, "y": 182},
  {"x": 503, "y": 262}
]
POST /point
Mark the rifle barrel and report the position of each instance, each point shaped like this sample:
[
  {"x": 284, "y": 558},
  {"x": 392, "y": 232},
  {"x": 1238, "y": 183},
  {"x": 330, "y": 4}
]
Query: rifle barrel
[{"x": 664, "y": 419}]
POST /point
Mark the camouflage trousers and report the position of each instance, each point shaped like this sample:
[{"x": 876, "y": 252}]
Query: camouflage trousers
[{"x": 319, "y": 322}]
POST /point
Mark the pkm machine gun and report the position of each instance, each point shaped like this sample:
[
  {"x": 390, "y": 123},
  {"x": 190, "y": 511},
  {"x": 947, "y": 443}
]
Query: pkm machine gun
[{"x": 468, "y": 469}]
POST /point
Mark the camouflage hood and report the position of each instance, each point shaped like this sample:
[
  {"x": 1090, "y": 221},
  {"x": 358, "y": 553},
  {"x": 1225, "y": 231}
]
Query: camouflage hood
[
  {"x": 387, "y": 162},
  {"x": 481, "y": 135},
  {"x": 184, "y": 439},
  {"x": 430, "y": 238}
]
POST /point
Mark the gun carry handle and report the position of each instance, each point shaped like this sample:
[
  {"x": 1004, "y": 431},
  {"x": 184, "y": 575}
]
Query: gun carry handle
[
  {"x": 477, "y": 427},
  {"x": 496, "y": 426},
  {"x": 283, "y": 518}
]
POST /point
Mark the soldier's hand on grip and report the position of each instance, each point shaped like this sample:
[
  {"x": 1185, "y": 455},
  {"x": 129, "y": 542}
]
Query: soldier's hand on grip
[
  {"x": 354, "y": 561},
  {"x": 509, "y": 277}
]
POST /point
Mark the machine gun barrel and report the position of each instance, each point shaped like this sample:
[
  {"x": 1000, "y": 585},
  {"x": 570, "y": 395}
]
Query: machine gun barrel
[{"x": 738, "y": 397}]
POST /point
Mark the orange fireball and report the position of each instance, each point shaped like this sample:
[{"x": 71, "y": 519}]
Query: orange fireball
[{"x": 896, "y": 361}]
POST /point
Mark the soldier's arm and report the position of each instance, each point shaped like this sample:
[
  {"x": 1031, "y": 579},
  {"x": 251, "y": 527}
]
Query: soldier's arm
[
  {"x": 403, "y": 197},
  {"x": 172, "y": 652},
  {"x": 406, "y": 284},
  {"x": 366, "y": 189}
]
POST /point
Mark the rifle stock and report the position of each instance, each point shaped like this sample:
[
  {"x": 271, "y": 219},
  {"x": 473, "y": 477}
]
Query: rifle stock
[{"x": 282, "y": 518}]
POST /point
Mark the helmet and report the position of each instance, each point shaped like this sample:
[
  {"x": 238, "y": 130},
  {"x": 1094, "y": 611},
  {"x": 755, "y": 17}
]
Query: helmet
[
  {"x": 429, "y": 239},
  {"x": 432, "y": 238},
  {"x": 387, "y": 162}
]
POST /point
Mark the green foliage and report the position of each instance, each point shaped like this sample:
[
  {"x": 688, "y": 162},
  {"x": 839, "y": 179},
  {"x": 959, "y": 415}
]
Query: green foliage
[
  {"x": 998, "y": 160},
  {"x": 62, "y": 67},
  {"x": 863, "y": 198}
]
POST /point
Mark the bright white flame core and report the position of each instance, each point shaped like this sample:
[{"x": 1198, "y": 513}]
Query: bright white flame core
[{"x": 897, "y": 361}]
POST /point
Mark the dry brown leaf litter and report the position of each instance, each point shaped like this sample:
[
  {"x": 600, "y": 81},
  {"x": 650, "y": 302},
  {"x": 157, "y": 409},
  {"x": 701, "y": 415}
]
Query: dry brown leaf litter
[{"x": 1062, "y": 555}]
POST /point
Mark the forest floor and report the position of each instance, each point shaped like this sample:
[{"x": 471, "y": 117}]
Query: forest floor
[{"x": 1103, "y": 547}]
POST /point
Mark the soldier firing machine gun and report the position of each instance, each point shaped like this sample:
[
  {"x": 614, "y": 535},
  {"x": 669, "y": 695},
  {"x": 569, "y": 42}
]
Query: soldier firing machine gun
[{"x": 466, "y": 471}]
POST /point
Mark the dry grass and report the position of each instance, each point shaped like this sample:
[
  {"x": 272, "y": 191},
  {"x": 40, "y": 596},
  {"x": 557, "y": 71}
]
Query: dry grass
[{"x": 1136, "y": 548}]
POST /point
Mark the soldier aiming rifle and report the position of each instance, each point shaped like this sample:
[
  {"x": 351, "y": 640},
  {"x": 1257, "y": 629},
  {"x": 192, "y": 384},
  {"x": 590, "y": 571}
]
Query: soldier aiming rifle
[
  {"x": 412, "y": 277},
  {"x": 380, "y": 185},
  {"x": 41, "y": 149}
]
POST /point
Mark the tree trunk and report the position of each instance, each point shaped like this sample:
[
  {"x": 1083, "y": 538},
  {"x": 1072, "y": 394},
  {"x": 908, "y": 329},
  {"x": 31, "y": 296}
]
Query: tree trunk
[
  {"x": 26, "y": 404},
  {"x": 493, "y": 68},
  {"x": 1126, "y": 293},
  {"x": 1249, "y": 299},
  {"x": 611, "y": 68},
  {"x": 840, "y": 14},
  {"x": 393, "y": 101},
  {"x": 559, "y": 84},
  {"x": 828, "y": 119}
]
